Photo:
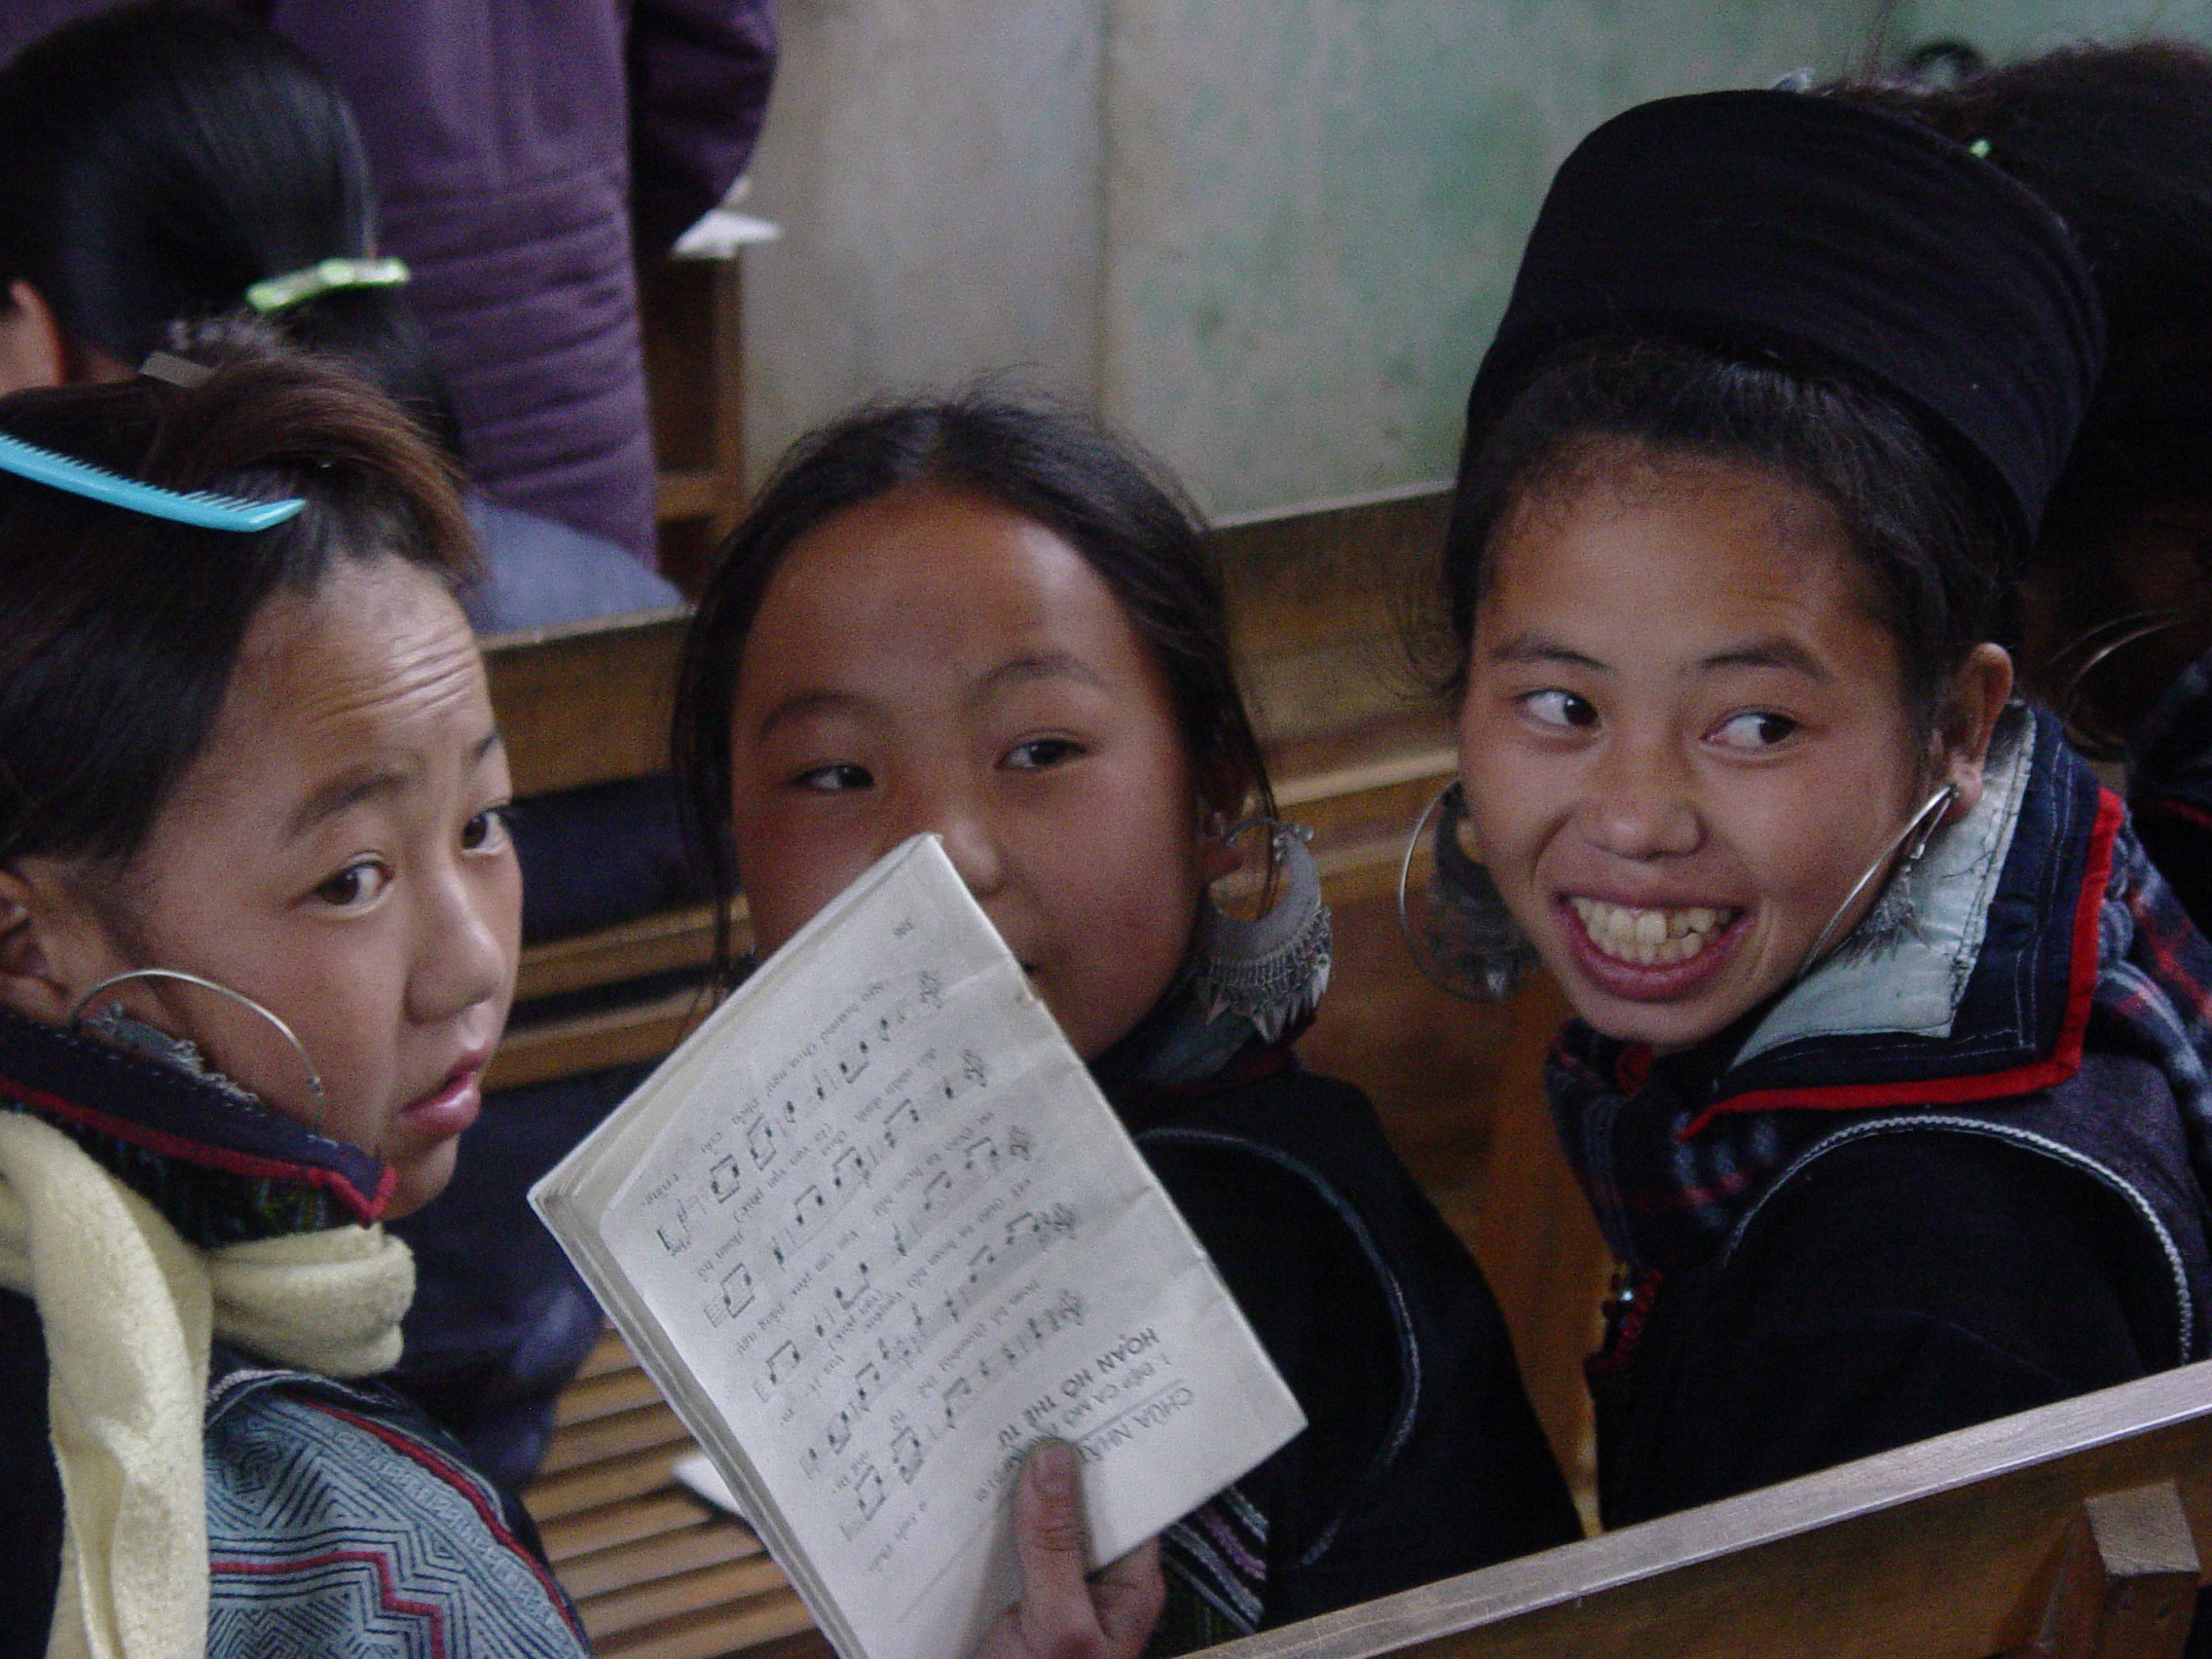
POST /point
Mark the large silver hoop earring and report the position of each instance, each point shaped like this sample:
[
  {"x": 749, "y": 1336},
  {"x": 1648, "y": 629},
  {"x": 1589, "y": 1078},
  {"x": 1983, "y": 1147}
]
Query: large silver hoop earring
[
  {"x": 118, "y": 1026},
  {"x": 1893, "y": 914},
  {"x": 1464, "y": 939},
  {"x": 2093, "y": 646},
  {"x": 1270, "y": 970}
]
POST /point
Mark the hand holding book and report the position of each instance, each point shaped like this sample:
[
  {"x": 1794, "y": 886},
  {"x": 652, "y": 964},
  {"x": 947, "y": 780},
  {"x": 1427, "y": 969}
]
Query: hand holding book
[
  {"x": 1066, "y": 1612},
  {"x": 876, "y": 1234}
]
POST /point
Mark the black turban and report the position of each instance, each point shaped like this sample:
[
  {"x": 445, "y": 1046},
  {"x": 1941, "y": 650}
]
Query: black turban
[{"x": 1839, "y": 238}]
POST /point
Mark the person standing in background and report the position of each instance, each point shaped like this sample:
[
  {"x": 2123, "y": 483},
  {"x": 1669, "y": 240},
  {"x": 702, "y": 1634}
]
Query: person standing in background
[{"x": 527, "y": 154}]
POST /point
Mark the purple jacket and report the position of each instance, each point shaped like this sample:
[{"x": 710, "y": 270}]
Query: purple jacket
[{"x": 516, "y": 144}]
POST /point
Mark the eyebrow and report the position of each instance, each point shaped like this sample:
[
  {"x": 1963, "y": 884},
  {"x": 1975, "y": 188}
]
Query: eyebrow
[
  {"x": 1042, "y": 665},
  {"x": 1542, "y": 649},
  {"x": 357, "y": 784},
  {"x": 1774, "y": 652},
  {"x": 802, "y": 704}
]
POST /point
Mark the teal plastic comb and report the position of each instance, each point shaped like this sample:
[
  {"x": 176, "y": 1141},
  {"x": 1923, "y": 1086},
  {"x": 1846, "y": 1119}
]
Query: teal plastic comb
[{"x": 204, "y": 509}]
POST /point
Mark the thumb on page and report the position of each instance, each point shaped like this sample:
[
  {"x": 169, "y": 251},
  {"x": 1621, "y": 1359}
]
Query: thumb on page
[{"x": 1062, "y": 1613}]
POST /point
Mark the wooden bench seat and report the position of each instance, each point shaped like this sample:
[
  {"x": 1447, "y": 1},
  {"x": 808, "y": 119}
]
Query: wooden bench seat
[{"x": 656, "y": 1572}]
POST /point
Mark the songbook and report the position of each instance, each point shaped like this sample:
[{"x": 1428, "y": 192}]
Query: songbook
[{"x": 874, "y": 1232}]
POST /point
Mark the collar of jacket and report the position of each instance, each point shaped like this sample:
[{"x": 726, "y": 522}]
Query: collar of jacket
[
  {"x": 220, "y": 1172},
  {"x": 1987, "y": 992}
]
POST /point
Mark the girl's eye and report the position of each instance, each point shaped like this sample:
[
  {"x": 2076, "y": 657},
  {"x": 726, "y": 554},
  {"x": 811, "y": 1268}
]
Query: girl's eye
[
  {"x": 485, "y": 831},
  {"x": 355, "y": 884},
  {"x": 1754, "y": 732},
  {"x": 1040, "y": 753},
  {"x": 1558, "y": 708},
  {"x": 839, "y": 777}
]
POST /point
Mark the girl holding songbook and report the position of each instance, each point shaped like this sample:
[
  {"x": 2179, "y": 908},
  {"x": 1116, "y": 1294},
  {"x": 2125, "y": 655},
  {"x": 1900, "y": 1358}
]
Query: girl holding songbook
[
  {"x": 1888, "y": 1079},
  {"x": 983, "y": 616}
]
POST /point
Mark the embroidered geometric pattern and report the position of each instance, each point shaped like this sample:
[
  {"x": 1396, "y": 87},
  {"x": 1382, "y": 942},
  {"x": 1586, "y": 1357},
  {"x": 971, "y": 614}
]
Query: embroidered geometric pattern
[{"x": 339, "y": 1533}]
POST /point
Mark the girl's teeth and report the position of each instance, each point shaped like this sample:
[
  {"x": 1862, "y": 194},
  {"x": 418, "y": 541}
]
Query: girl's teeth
[{"x": 1649, "y": 938}]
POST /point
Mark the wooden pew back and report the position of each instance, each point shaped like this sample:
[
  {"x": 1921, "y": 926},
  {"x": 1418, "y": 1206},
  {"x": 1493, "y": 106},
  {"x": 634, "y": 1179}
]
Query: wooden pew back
[{"x": 2074, "y": 1531}]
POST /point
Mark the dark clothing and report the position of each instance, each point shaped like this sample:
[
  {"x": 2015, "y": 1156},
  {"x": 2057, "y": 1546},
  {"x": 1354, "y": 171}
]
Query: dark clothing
[
  {"x": 30, "y": 1486},
  {"x": 1421, "y": 1458},
  {"x": 1901, "y": 1288},
  {"x": 322, "y": 1495},
  {"x": 526, "y": 152},
  {"x": 502, "y": 1321},
  {"x": 1951, "y": 1174}
]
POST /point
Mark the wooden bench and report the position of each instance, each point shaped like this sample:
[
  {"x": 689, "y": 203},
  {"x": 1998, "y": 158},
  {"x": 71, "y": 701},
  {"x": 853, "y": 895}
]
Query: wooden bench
[
  {"x": 1356, "y": 755},
  {"x": 2072, "y": 1531}
]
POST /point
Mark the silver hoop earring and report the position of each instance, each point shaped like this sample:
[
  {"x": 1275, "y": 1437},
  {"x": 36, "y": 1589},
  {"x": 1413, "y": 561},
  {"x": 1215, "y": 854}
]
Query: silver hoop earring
[
  {"x": 1892, "y": 913},
  {"x": 1467, "y": 940},
  {"x": 1270, "y": 970},
  {"x": 117, "y": 1025}
]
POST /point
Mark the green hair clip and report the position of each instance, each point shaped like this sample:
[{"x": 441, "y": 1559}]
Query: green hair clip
[
  {"x": 203, "y": 509},
  {"x": 272, "y": 294}
]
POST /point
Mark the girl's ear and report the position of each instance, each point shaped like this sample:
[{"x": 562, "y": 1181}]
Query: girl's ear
[
  {"x": 32, "y": 353},
  {"x": 48, "y": 942},
  {"x": 1967, "y": 720}
]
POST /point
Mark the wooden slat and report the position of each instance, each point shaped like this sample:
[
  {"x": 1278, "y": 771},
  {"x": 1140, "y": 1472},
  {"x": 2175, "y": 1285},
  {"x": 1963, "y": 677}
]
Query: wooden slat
[
  {"x": 723, "y": 1631},
  {"x": 697, "y": 1592},
  {"x": 713, "y": 1542},
  {"x": 609, "y": 1353},
  {"x": 1935, "y": 1551},
  {"x": 593, "y": 1042},
  {"x": 625, "y": 1434},
  {"x": 627, "y": 1521},
  {"x": 682, "y": 493},
  {"x": 555, "y": 1497},
  {"x": 1318, "y": 599},
  {"x": 586, "y": 704},
  {"x": 587, "y": 1400},
  {"x": 630, "y": 951}
]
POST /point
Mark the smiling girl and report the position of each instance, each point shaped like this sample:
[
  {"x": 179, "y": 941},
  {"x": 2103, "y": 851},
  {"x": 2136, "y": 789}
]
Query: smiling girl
[
  {"x": 985, "y": 619},
  {"x": 1888, "y": 1079}
]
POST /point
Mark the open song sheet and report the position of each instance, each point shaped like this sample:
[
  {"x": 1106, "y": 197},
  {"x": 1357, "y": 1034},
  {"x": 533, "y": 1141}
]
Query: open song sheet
[{"x": 874, "y": 1232}]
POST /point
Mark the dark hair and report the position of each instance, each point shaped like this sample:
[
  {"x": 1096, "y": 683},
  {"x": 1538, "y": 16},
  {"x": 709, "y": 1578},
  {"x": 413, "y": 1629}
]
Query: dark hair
[
  {"x": 2118, "y": 140},
  {"x": 119, "y": 633},
  {"x": 1032, "y": 457},
  {"x": 157, "y": 160},
  {"x": 1930, "y": 544}
]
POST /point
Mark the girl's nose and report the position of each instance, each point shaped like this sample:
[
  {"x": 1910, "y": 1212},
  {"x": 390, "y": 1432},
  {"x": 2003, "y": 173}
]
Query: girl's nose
[
  {"x": 1639, "y": 804},
  {"x": 468, "y": 946},
  {"x": 970, "y": 839}
]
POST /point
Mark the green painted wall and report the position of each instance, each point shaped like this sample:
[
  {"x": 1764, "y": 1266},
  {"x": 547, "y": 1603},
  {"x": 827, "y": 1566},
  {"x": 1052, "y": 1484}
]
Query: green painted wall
[
  {"x": 1315, "y": 206},
  {"x": 2009, "y": 28},
  {"x": 1270, "y": 238}
]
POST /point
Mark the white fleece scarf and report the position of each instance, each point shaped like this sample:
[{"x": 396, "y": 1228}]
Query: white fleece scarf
[{"x": 127, "y": 1307}]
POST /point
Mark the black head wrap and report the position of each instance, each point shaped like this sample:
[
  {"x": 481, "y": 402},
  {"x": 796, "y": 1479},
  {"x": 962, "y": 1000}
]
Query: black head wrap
[{"x": 1836, "y": 236}]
